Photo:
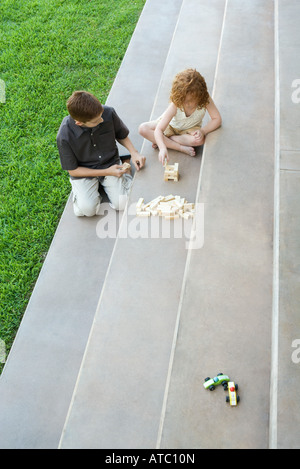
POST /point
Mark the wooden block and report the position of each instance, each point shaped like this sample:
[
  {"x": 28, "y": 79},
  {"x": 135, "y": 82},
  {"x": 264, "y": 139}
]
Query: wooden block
[
  {"x": 126, "y": 165},
  {"x": 178, "y": 204},
  {"x": 143, "y": 214},
  {"x": 153, "y": 205},
  {"x": 169, "y": 197},
  {"x": 140, "y": 204},
  {"x": 188, "y": 206},
  {"x": 186, "y": 215},
  {"x": 154, "y": 202},
  {"x": 162, "y": 203}
]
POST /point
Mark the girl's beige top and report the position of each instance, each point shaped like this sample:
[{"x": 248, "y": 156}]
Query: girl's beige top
[{"x": 181, "y": 122}]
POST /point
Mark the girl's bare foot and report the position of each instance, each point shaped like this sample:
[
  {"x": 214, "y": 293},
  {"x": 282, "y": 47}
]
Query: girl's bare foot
[{"x": 188, "y": 150}]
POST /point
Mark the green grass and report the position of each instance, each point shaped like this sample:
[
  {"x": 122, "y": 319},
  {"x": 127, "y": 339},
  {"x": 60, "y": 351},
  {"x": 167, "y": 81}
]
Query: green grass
[{"x": 48, "y": 50}]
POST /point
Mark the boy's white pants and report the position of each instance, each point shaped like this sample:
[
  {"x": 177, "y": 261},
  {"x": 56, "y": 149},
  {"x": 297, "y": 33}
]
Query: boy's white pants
[{"x": 86, "y": 197}]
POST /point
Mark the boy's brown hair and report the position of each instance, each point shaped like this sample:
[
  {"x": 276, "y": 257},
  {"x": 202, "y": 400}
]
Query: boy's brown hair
[
  {"x": 189, "y": 81},
  {"x": 83, "y": 106}
]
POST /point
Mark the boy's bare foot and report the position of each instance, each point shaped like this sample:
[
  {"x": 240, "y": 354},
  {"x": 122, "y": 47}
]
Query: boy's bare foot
[{"x": 188, "y": 150}]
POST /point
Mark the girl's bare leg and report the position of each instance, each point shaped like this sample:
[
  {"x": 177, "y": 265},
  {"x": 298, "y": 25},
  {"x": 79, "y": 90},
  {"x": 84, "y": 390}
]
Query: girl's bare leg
[
  {"x": 147, "y": 131},
  {"x": 185, "y": 139}
]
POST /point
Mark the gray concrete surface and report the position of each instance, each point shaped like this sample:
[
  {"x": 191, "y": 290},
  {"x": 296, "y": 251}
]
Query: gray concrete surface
[
  {"x": 288, "y": 403},
  {"x": 225, "y": 319},
  {"x": 289, "y": 323}
]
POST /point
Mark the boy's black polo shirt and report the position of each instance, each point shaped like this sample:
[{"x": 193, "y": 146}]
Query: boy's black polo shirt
[{"x": 95, "y": 147}]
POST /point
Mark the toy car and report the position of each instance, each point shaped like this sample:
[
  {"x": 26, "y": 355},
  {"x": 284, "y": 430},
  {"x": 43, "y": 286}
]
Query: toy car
[
  {"x": 211, "y": 383},
  {"x": 232, "y": 397}
]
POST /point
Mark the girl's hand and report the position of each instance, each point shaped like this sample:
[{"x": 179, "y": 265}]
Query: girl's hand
[
  {"x": 163, "y": 156},
  {"x": 199, "y": 136}
]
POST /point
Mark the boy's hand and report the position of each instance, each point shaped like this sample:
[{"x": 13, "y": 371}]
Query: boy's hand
[
  {"x": 138, "y": 161},
  {"x": 116, "y": 170}
]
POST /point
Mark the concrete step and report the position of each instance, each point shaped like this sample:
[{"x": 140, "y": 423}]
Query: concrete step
[
  {"x": 240, "y": 310},
  {"x": 226, "y": 313},
  {"x": 286, "y": 355},
  {"x": 40, "y": 374},
  {"x": 120, "y": 389}
]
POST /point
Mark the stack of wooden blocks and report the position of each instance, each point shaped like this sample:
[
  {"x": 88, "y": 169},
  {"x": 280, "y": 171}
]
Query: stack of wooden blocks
[
  {"x": 170, "y": 207},
  {"x": 171, "y": 172}
]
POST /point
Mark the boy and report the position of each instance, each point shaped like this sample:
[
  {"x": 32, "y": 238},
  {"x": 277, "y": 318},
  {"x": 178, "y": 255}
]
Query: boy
[{"x": 87, "y": 148}]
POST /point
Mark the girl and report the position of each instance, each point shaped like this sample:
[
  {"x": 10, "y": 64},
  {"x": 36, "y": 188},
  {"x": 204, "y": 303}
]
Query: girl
[{"x": 180, "y": 126}]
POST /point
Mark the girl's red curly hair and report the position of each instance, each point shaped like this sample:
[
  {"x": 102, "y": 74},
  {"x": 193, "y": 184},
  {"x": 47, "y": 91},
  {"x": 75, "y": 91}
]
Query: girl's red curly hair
[{"x": 189, "y": 81}]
